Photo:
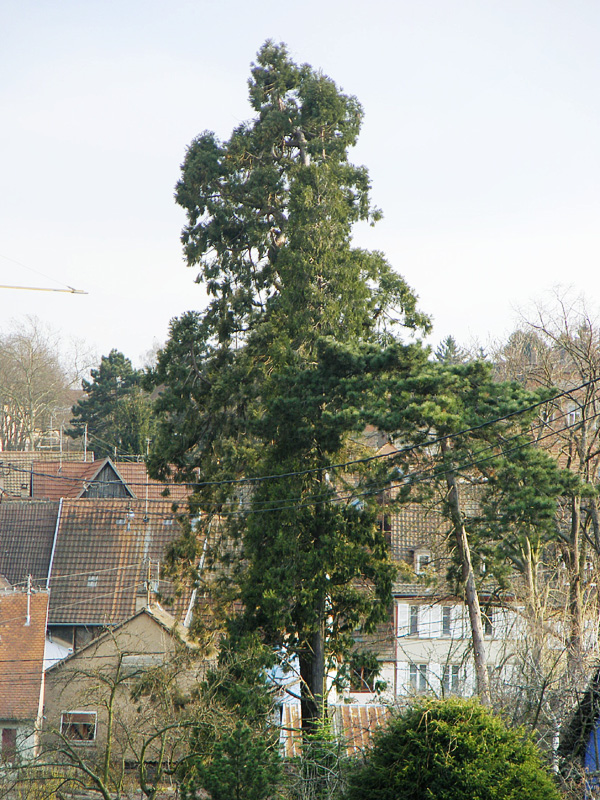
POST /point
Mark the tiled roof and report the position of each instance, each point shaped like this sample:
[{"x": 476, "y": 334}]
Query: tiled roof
[
  {"x": 21, "y": 654},
  {"x": 135, "y": 475},
  {"x": 105, "y": 552},
  {"x": 53, "y": 480},
  {"x": 26, "y": 534},
  {"x": 15, "y": 468},
  {"x": 414, "y": 526},
  {"x": 413, "y": 590}
]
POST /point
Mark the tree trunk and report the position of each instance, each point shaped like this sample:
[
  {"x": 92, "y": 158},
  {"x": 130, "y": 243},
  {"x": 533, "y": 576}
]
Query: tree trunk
[
  {"x": 575, "y": 587},
  {"x": 468, "y": 578},
  {"x": 312, "y": 676}
]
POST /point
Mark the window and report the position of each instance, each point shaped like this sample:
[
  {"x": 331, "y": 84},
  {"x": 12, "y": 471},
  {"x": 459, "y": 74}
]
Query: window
[
  {"x": 414, "y": 621},
  {"x": 451, "y": 679},
  {"x": 446, "y": 620},
  {"x": 78, "y": 726},
  {"x": 422, "y": 562},
  {"x": 9, "y": 745},
  {"x": 385, "y": 524},
  {"x": 92, "y": 581},
  {"x": 362, "y": 679},
  {"x": 137, "y": 663},
  {"x": 418, "y": 678}
]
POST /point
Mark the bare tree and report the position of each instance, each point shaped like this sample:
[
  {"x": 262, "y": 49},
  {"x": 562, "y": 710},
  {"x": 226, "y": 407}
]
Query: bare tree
[
  {"x": 33, "y": 383},
  {"x": 558, "y": 347}
]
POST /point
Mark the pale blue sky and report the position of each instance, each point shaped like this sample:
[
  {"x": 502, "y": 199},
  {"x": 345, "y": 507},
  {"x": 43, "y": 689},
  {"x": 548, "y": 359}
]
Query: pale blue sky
[{"x": 481, "y": 134}]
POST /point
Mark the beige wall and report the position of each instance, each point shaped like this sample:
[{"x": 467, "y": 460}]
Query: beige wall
[{"x": 114, "y": 666}]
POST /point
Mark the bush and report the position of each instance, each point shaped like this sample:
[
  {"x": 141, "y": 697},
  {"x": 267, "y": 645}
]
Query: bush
[{"x": 451, "y": 750}]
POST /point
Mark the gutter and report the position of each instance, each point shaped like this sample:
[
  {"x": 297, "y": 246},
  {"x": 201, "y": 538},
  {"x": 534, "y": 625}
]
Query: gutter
[{"x": 60, "y": 505}]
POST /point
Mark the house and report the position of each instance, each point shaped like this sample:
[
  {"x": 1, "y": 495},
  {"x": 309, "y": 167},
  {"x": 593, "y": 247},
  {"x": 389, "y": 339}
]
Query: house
[
  {"x": 90, "y": 696},
  {"x": 23, "y": 617},
  {"x": 425, "y": 647},
  {"x": 107, "y": 564}
]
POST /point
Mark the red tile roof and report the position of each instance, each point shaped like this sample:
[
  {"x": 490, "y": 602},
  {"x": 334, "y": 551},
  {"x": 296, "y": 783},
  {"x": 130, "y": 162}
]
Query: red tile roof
[
  {"x": 55, "y": 479},
  {"x": 135, "y": 475},
  {"x": 16, "y": 465},
  {"x": 21, "y": 654},
  {"x": 52, "y": 480}
]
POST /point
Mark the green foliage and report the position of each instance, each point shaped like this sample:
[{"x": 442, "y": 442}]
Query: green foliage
[
  {"x": 116, "y": 409},
  {"x": 240, "y": 682},
  {"x": 243, "y": 765},
  {"x": 280, "y": 374},
  {"x": 449, "y": 352},
  {"x": 488, "y": 442},
  {"x": 451, "y": 750}
]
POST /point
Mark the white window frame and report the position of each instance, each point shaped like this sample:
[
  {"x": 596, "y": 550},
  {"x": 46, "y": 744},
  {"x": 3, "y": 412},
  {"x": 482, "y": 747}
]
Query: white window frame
[
  {"x": 418, "y": 678},
  {"x": 420, "y": 567},
  {"x": 451, "y": 679},
  {"x": 447, "y": 619},
  {"x": 65, "y": 722},
  {"x": 413, "y": 620}
]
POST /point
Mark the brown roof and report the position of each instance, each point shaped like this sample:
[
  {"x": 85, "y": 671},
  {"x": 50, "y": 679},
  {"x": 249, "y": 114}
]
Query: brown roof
[
  {"x": 27, "y": 530},
  {"x": 21, "y": 654},
  {"x": 16, "y": 465},
  {"x": 414, "y": 526},
  {"x": 356, "y": 725},
  {"x": 53, "y": 480},
  {"x": 105, "y": 552}
]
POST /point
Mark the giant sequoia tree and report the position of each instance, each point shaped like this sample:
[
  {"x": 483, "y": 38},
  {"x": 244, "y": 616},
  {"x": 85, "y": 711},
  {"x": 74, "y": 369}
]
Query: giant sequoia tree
[{"x": 276, "y": 379}]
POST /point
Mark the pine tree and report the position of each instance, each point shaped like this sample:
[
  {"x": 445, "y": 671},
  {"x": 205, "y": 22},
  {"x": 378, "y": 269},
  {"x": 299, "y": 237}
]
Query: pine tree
[
  {"x": 116, "y": 410},
  {"x": 477, "y": 450}
]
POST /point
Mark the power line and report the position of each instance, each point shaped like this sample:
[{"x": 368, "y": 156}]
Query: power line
[
  {"x": 409, "y": 478},
  {"x": 340, "y": 465}
]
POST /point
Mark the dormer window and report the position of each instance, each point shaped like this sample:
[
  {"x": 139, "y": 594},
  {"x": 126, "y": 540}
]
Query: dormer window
[{"x": 422, "y": 561}]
